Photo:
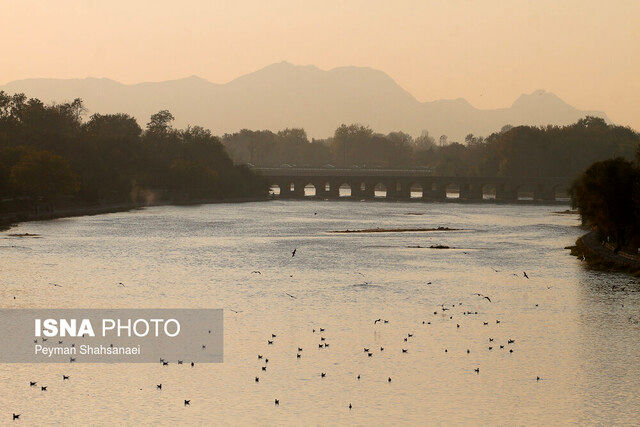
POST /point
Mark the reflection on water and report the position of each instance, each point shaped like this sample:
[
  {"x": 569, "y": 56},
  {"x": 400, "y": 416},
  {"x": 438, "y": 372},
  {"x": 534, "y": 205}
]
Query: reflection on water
[{"x": 568, "y": 325}]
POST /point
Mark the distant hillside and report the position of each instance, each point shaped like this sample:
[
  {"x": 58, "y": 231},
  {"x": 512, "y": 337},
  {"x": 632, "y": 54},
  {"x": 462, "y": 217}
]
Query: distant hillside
[{"x": 286, "y": 95}]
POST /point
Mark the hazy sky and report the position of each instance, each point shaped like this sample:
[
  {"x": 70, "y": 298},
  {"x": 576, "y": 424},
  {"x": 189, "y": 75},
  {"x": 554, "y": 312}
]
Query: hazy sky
[{"x": 487, "y": 51}]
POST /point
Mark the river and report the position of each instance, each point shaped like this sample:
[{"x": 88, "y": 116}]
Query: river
[{"x": 568, "y": 325}]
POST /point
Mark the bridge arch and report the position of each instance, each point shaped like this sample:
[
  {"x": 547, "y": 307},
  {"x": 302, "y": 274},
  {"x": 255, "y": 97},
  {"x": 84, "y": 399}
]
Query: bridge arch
[
  {"x": 380, "y": 191},
  {"x": 274, "y": 190},
  {"x": 344, "y": 190},
  {"x": 416, "y": 191},
  {"x": 452, "y": 190},
  {"x": 310, "y": 190}
]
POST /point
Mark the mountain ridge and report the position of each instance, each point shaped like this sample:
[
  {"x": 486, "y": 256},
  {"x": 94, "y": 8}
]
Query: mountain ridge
[{"x": 284, "y": 95}]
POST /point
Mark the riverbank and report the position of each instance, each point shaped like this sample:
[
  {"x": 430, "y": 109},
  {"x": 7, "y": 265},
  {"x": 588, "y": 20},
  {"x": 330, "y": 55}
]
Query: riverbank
[
  {"x": 10, "y": 219},
  {"x": 601, "y": 255}
]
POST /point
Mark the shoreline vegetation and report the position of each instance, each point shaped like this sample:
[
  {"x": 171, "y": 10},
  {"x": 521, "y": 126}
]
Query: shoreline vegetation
[
  {"x": 607, "y": 196},
  {"x": 54, "y": 163}
]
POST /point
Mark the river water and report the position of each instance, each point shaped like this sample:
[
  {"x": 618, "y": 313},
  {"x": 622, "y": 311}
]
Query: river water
[{"x": 569, "y": 326}]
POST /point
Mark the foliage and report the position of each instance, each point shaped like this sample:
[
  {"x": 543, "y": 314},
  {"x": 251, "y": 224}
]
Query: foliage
[
  {"x": 522, "y": 151},
  {"x": 607, "y": 196},
  {"x": 49, "y": 151}
]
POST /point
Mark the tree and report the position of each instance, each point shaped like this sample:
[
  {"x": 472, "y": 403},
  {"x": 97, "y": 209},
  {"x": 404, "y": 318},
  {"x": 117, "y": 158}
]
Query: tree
[
  {"x": 44, "y": 174},
  {"x": 604, "y": 196},
  {"x": 160, "y": 123}
]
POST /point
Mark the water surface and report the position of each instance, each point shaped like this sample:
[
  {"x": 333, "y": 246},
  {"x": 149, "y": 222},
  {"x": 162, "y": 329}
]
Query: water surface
[{"x": 568, "y": 325}]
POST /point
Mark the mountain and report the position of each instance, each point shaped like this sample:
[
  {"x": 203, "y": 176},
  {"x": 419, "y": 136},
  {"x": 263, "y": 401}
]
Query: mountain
[{"x": 285, "y": 95}]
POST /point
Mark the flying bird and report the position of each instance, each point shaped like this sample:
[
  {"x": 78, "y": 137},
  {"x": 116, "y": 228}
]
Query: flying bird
[
  {"x": 293, "y": 253},
  {"x": 290, "y": 295},
  {"x": 525, "y": 274}
]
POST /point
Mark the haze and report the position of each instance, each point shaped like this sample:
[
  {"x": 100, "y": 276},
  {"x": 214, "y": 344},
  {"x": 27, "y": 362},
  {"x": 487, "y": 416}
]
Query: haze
[{"x": 488, "y": 52}]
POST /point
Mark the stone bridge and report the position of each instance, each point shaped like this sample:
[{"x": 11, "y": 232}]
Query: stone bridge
[{"x": 331, "y": 183}]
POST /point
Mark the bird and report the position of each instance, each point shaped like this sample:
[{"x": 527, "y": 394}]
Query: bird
[
  {"x": 366, "y": 349},
  {"x": 179, "y": 362},
  {"x": 490, "y": 339},
  {"x": 204, "y": 346},
  {"x": 192, "y": 364},
  {"x": 43, "y": 388},
  {"x": 538, "y": 378},
  {"x": 323, "y": 374},
  {"x": 510, "y": 341},
  {"x": 298, "y": 356},
  {"x": 405, "y": 340},
  {"x": 165, "y": 363},
  {"x": 350, "y": 406},
  {"x": 121, "y": 284},
  {"x": 404, "y": 350},
  {"x": 72, "y": 359},
  {"x": 269, "y": 342},
  {"x": 264, "y": 368},
  {"x": 468, "y": 351},
  {"x": 321, "y": 329},
  {"x": 276, "y": 402},
  {"x": 17, "y": 416},
  {"x": 487, "y": 298},
  {"x": 187, "y": 402},
  {"x": 477, "y": 370},
  {"x": 257, "y": 379},
  {"x": 376, "y": 321},
  {"x": 259, "y": 356},
  {"x": 273, "y": 335},
  {"x": 299, "y": 349},
  {"x": 322, "y": 338},
  {"x": 55, "y": 284},
  {"x": 485, "y": 323},
  {"x": 159, "y": 386},
  {"x": 409, "y": 335},
  {"x": 381, "y": 348},
  {"x": 525, "y": 274},
  {"x": 369, "y": 354},
  {"x": 290, "y": 295},
  {"x": 293, "y": 253},
  {"x": 358, "y": 377},
  {"x": 65, "y": 377},
  {"x": 389, "y": 379},
  {"x": 32, "y": 383},
  {"x": 256, "y": 272},
  {"x": 266, "y": 360}
]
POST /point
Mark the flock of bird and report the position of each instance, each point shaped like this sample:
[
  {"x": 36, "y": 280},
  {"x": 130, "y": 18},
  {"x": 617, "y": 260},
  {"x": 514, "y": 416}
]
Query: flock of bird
[{"x": 445, "y": 311}]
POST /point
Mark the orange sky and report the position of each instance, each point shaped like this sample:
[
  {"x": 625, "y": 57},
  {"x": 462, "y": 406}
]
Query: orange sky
[{"x": 487, "y": 51}]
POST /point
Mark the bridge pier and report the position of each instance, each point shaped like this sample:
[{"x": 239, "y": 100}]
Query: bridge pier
[
  {"x": 471, "y": 192},
  {"x": 506, "y": 193},
  {"x": 544, "y": 193}
]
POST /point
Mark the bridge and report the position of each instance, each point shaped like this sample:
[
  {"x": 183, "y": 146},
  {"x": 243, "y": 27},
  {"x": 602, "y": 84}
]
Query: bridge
[{"x": 333, "y": 183}]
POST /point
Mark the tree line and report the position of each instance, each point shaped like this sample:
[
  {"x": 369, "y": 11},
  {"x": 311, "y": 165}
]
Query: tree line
[
  {"x": 607, "y": 196},
  {"x": 50, "y": 152},
  {"x": 522, "y": 151}
]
